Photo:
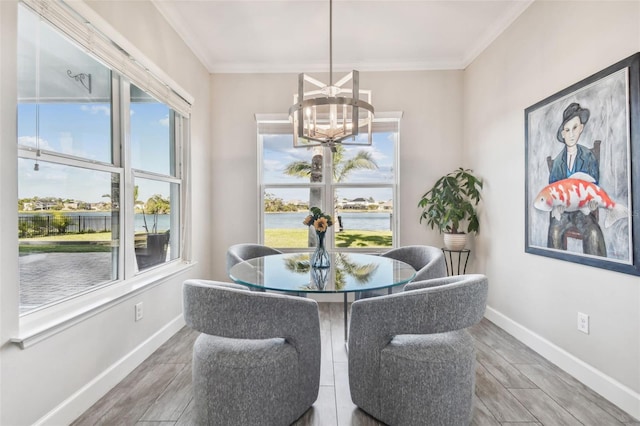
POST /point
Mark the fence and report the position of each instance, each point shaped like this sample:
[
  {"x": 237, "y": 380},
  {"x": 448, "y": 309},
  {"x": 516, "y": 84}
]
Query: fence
[{"x": 44, "y": 225}]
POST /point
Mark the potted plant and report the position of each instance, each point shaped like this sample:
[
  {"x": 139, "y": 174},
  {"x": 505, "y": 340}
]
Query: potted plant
[{"x": 450, "y": 203}]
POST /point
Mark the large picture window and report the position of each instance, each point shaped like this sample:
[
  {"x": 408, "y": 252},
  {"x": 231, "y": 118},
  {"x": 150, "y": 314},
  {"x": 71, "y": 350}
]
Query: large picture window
[
  {"x": 357, "y": 185},
  {"x": 90, "y": 142}
]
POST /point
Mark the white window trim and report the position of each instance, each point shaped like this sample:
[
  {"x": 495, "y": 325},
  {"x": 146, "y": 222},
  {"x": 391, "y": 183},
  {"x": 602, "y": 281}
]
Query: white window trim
[
  {"x": 121, "y": 56},
  {"x": 42, "y": 324},
  {"x": 327, "y": 185}
]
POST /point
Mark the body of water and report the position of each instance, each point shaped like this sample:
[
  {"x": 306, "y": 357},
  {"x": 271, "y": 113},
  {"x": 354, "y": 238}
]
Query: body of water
[{"x": 356, "y": 220}]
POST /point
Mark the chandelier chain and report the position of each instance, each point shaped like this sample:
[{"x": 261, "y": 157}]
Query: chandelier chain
[{"x": 330, "y": 43}]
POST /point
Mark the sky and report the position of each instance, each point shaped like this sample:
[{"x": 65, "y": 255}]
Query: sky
[
  {"x": 84, "y": 130},
  {"x": 279, "y": 152},
  {"x": 57, "y": 113}
]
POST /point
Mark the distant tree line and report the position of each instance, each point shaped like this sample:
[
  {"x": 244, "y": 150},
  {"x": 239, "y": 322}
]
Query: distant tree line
[
  {"x": 275, "y": 204},
  {"x": 53, "y": 203}
]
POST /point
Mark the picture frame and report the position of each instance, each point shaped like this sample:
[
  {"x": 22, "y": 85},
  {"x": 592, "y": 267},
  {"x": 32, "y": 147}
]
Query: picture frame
[{"x": 582, "y": 171}]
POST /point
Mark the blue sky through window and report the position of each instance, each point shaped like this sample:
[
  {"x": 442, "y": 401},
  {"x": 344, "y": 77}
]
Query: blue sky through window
[
  {"x": 84, "y": 130},
  {"x": 278, "y": 152}
]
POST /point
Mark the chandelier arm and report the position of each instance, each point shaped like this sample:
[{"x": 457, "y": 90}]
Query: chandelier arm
[
  {"x": 344, "y": 79},
  {"x": 314, "y": 81},
  {"x": 355, "y": 110},
  {"x": 329, "y": 142},
  {"x": 299, "y": 117},
  {"x": 320, "y": 141}
]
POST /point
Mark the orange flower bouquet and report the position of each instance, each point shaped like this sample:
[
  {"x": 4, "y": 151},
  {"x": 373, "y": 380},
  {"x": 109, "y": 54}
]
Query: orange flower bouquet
[{"x": 320, "y": 222}]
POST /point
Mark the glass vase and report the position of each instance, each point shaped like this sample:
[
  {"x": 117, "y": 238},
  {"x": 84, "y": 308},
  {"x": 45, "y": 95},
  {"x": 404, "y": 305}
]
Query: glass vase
[
  {"x": 319, "y": 278},
  {"x": 320, "y": 257}
]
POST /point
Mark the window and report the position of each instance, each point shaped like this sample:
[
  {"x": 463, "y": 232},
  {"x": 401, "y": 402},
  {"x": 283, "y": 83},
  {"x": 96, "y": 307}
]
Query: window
[
  {"x": 156, "y": 191},
  {"x": 358, "y": 185},
  {"x": 99, "y": 170}
]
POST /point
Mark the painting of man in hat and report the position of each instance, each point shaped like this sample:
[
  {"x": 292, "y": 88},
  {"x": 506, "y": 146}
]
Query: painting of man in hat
[
  {"x": 575, "y": 158},
  {"x": 580, "y": 188}
]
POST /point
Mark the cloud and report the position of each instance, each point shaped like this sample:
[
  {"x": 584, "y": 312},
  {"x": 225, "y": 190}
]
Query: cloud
[
  {"x": 377, "y": 155},
  {"x": 67, "y": 144},
  {"x": 272, "y": 165},
  {"x": 95, "y": 109},
  {"x": 164, "y": 121},
  {"x": 30, "y": 141}
]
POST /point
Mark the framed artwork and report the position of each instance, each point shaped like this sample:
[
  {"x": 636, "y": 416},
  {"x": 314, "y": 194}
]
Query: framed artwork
[{"x": 582, "y": 176}]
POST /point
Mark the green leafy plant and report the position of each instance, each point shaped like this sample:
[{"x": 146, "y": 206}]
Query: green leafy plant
[
  {"x": 154, "y": 206},
  {"x": 61, "y": 222},
  {"x": 452, "y": 200}
]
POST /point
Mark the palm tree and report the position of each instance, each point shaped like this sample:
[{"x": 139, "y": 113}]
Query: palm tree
[
  {"x": 139, "y": 204},
  {"x": 360, "y": 272},
  {"x": 340, "y": 167},
  {"x": 155, "y": 205}
]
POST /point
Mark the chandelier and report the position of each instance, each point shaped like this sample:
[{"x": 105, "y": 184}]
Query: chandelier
[{"x": 331, "y": 114}]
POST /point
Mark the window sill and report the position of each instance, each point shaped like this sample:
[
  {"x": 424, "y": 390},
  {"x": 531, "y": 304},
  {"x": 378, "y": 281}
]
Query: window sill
[{"x": 41, "y": 325}]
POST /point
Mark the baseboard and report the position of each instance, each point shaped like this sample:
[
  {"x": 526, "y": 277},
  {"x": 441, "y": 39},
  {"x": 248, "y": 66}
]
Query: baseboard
[
  {"x": 615, "y": 392},
  {"x": 71, "y": 408}
]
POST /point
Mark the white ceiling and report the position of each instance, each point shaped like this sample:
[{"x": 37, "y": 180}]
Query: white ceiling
[{"x": 236, "y": 36}]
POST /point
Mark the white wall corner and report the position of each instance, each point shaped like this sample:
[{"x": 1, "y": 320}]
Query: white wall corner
[{"x": 612, "y": 390}]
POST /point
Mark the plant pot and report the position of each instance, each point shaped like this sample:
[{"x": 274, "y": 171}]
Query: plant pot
[
  {"x": 155, "y": 252},
  {"x": 455, "y": 242}
]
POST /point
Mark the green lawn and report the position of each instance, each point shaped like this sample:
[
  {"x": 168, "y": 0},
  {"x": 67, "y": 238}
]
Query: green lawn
[
  {"x": 89, "y": 242},
  {"x": 285, "y": 238},
  {"x": 66, "y": 248},
  {"x": 89, "y": 236}
]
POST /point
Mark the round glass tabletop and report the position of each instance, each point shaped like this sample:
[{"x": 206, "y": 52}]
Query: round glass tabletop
[{"x": 349, "y": 272}]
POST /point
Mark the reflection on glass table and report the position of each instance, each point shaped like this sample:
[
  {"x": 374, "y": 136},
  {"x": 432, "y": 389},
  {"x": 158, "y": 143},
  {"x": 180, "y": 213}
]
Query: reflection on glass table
[{"x": 348, "y": 273}]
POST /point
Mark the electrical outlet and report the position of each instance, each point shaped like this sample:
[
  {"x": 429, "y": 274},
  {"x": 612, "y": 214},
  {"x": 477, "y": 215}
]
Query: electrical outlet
[
  {"x": 583, "y": 322},
  {"x": 139, "y": 313}
]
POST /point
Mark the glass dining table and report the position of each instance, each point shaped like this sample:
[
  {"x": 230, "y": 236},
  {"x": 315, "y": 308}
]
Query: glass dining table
[{"x": 349, "y": 273}]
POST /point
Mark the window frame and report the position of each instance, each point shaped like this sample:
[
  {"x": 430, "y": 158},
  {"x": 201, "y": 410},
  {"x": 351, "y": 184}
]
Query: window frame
[
  {"x": 43, "y": 321},
  {"x": 327, "y": 186}
]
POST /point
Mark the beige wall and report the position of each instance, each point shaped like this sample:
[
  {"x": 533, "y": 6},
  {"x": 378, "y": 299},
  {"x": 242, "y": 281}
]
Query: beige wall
[
  {"x": 431, "y": 139},
  {"x": 551, "y": 46},
  {"x": 56, "y": 379}
]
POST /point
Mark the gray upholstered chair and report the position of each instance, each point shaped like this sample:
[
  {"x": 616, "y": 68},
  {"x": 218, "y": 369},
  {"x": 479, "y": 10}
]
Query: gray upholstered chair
[
  {"x": 257, "y": 361},
  {"x": 411, "y": 359},
  {"x": 240, "y": 252},
  {"x": 428, "y": 261}
]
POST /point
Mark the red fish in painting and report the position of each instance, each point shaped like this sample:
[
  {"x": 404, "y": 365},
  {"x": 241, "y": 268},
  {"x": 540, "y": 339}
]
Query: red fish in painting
[{"x": 578, "y": 193}]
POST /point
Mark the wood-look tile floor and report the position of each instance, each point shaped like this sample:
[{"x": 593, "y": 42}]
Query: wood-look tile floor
[{"x": 514, "y": 386}]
